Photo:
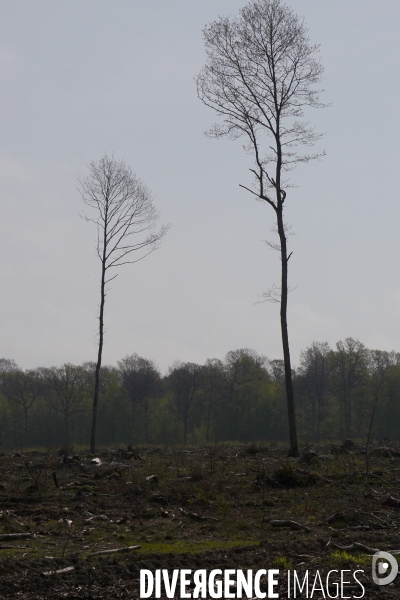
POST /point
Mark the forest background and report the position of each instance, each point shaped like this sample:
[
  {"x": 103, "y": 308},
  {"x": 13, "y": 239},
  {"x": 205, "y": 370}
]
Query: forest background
[{"x": 346, "y": 392}]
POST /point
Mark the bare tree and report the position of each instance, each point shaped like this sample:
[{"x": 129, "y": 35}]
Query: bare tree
[
  {"x": 259, "y": 76},
  {"x": 125, "y": 217}
]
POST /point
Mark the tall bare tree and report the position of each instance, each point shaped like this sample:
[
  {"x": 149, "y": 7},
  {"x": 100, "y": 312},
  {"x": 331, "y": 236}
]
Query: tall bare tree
[
  {"x": 126, "y": 218},
  {"x": 260, "y": 74}
]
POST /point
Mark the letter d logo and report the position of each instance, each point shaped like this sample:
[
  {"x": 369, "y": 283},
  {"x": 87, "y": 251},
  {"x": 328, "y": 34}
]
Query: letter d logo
[{"x": 384, "y": 568}]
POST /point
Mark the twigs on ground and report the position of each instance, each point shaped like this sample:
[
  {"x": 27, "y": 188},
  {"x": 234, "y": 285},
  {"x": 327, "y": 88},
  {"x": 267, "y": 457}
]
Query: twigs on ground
[{"x": 115, "y": 551}]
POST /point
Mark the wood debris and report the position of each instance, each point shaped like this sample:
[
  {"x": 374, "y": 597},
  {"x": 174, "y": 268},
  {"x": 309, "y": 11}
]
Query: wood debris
[
  {"x": 195, "y": 516},
  {"x": 388, "y": 500},
  {"x": 58, "y": 572},
  {"x": 114, "y": 551},
  {"x": 15, "y": 536},
  {"x": 356, "y": 547},
  {"x": 288, "y": 523}
]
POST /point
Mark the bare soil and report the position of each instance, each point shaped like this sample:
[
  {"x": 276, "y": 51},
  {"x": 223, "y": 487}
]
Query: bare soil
[{"x": 212, "y": 507}]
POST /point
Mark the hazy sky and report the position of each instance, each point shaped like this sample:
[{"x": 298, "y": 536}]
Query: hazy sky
[{"x": 84, "y": 77}]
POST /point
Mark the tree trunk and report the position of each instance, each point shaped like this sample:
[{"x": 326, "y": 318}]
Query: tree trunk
[
  {"x": 293, "y": 451},
  {"x": 99, "y": 356}
]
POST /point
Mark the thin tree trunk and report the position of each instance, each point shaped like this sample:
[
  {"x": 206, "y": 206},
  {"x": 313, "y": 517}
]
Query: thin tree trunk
[
  {"x": 100, "y": 352},
  {"x": 293, "y": 451},
  {"x": 280, "y": 198}
]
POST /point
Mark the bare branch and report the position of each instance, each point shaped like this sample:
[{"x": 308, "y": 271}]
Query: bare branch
[
  {"x": 258, "y": 195},
  {"x": 111, "y": 278},
  {"x": 274, "y": 294}
]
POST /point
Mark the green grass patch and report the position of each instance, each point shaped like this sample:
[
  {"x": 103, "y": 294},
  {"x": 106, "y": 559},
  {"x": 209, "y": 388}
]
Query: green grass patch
[
  {"x": 281, "y": 562},
  {"x": 340, "y": 557}
]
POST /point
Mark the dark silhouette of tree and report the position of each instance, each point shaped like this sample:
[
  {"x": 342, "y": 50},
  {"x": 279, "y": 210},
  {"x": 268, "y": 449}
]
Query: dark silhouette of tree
[
  {"x": 211, "y": 374},
  {"x": 7, "y": 367},
  {"x": 389, "y": 398},
  {"x": 259, "y": 76},
  {"x": 142, "y": 380},
  {"x": 23, "y": 390},
  {"x": 314, "y": 378},
  {"x": 243, "y": 371},
  {"x": 349, "y": 374},
  {"x": 277, "y": 369},
  {"x": 68, "y": 385},
  {"x": 125, "y": 217},
  {"x": 184, "y": 380},
  {"x": 380, "y": 366}
]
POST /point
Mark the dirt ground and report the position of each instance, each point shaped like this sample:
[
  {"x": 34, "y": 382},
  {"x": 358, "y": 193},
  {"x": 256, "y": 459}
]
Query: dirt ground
[{"x": 83, "y": 526}]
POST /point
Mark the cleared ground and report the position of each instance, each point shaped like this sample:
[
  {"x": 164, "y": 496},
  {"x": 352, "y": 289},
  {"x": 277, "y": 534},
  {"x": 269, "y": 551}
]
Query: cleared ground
[{"x": 210, "y": 507}]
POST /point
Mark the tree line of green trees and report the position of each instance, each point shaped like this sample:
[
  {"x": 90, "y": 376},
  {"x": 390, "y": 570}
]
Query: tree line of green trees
[{"x": 346, "y": 392}]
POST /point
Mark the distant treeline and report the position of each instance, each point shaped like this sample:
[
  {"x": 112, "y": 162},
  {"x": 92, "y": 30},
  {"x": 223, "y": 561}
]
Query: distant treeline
[{"x": 348, "y": 392}]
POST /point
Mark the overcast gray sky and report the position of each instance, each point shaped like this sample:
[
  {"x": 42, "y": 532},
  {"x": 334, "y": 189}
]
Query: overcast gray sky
[{"x": 84, "y": 77}]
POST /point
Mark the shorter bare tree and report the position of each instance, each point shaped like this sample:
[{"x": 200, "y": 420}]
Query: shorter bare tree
[{"x": 125, "y": 217}]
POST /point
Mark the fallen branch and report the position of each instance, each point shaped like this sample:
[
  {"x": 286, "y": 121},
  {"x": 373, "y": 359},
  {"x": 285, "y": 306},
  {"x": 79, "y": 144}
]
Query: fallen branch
[
  {"x": 114, "y": 551},
  {"x": 15, "y": 536},
  {"x": 356, "y": 546},
  {"x": 290, "y": 524},
  {"x": 197, "y": 517},
  {"x": 372, "y": 527},
  {"x": 60, "y": 571},
  {"x": 388, "y": 500}
]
